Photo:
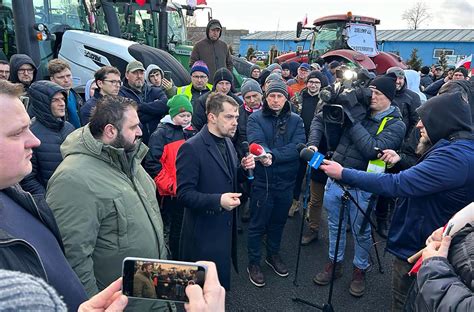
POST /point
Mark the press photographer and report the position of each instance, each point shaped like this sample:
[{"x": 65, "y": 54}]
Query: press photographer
[{"x": 353, "y": 129}]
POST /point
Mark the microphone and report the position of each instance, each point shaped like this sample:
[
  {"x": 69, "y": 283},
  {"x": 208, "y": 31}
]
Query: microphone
[
  {"x": 257, "y": 150},
  {"x": 313, "y": 158},
  {"x": 245, "y": 149},
  {"x": 300, "y": 146}
]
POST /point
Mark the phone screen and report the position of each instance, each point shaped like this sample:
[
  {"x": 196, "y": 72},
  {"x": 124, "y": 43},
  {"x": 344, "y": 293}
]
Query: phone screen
[
  {"x": 160, "y": 279},
  {"x": 167, "y": 75}
]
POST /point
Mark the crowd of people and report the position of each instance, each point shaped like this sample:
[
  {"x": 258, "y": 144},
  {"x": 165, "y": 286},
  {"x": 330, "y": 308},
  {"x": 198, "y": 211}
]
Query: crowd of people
[{"x": 141, "y": 167}]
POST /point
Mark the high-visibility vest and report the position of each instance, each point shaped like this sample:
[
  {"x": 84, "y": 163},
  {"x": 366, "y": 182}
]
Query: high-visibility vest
[{"x": 186, "y": 90}]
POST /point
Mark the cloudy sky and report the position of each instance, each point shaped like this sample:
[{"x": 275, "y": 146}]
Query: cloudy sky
[{"x": 256, "y": 15}]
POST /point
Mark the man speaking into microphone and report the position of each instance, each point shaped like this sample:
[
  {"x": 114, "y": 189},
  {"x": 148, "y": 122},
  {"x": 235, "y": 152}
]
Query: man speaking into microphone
[{"x": 278, "y": 131}]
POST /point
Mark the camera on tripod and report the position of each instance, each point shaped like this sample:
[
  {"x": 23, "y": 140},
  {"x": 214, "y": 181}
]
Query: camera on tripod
[{"x": 346, "y": 94}]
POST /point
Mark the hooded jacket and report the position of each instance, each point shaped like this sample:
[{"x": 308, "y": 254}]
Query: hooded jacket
[
  {"x": 438, "y": 186},
  {"x": 170, "y": 92},
  {"x": 215, "y": 54},
  {"x": 16, "y": 61},
  {"x": 160, "y": 161},
  {"x": 105, "y": 207},
  {"x": 412, "y": 79},
  {"x": 279, "y": 135},
  {"x": 50, "y": 130},
  {"x": 407, "y": 101}
]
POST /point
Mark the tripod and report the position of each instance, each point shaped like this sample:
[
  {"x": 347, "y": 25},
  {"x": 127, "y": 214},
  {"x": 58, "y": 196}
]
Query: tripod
[{"x": 346, "y": 196}]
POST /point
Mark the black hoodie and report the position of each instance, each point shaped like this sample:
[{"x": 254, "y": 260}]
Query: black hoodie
[
  {"x": 16, "y": 61},
  {"x": 464, "y": 85},
  {"x": 50, "y": 130},
  {"x": 446, "y": 116}
]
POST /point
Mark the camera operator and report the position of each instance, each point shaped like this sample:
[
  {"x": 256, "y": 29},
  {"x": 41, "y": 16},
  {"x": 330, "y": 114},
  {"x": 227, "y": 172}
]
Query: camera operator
[{"x": 382, "y": 127}]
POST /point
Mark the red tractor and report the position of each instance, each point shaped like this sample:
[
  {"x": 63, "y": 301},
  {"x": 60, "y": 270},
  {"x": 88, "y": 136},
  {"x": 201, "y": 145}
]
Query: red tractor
[{"x": 349, "y": 39}]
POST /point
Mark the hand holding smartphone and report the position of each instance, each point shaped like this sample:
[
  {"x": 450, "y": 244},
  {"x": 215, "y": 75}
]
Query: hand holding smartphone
[{"x": 155, "y": 279}]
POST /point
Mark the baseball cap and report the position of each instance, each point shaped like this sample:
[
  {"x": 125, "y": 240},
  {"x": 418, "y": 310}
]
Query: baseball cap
[
  {"x": 305, "y": 66},
  {"x": 134, "y": 66}
]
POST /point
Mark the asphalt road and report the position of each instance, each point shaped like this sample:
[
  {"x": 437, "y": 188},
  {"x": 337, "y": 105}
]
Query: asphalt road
[{"x": 278, "y": 293}]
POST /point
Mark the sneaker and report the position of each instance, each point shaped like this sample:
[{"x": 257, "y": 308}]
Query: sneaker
[
  {"x": 277, "y": 265},
  {"x": 295, "y": 207},
  {"x": 256, "y": 275},
  {"x": 310, "y": 236},
  {"x": 357, "y": 287},
  {"x": 323, "y": 278}
]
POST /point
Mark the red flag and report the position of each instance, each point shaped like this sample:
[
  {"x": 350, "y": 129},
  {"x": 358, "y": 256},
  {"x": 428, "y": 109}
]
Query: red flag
[
  {"x": 305, "y": 20},
  {"x": 140, "y": 2},
  {"x": 201, "y": 2},
  {"x": 465, "y": 62}
]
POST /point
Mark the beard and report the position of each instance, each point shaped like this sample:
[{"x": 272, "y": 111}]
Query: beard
[
  {"x": 424, "y": 145},
  {"x": 121, "y": 142}
]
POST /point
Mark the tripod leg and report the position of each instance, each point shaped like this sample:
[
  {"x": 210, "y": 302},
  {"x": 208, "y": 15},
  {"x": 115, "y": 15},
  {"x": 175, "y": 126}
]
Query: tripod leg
[
  {"x": 379, "y": 263},
  {"x": 342, "y": 211}
]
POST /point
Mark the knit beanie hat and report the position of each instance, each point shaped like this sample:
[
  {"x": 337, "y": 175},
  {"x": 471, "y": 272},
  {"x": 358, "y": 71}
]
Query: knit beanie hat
[
  {"x": 397, "y": 71},
  {"x": 277, "y": 86},
  {"x": 274, "y": 66},
  {"x": 178, "y": 104},
  {"x": 263, "y": 76},
  {"x": 24, "y": 292},
  {"x": 386, "y": 85},
  {"x": 254, "y": 67},
  {"x": 273, "y": 77},
  {"x": 250, "y": 85},
  {"x": 319, "y": 75},
  {"x": 444, "y": 115},
  {"x": 223, "y": 74},
  {"x": 285, "y": 66},
  {"x": 201, "y": 67}
]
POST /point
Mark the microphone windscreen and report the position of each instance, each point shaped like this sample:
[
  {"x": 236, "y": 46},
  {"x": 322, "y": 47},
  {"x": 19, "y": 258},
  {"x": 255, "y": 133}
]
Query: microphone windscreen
[
  {"x": 256, "y": 149},
  {"x": 300, "y": 147},
  {"x": 306, "y": 154}
]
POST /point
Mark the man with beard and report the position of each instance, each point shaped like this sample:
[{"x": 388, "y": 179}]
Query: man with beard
[
  {"x": 431, "y": 192},
  {"x": 207, "y": 177},
  {"x": 103, "y": 200}
]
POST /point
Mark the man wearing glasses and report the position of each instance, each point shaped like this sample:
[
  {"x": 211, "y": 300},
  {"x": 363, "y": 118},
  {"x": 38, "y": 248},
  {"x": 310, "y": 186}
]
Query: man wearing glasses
[
  {"x": 108, "y": 82},
  {"x": 151, "y": 101},
  {"x": 199, "y": 82},
  {"x": 4, "y": 70},
  {"x": 23, "y": 70}
]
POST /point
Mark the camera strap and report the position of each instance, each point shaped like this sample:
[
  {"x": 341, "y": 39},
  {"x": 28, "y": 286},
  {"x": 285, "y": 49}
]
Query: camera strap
[{"x": 377, "y": 165}]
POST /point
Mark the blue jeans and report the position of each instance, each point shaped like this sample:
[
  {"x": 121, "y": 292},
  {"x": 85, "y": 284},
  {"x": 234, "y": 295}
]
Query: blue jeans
[
  {"x": 332, "y": 203},
  {"x": 268, "y": 215}
]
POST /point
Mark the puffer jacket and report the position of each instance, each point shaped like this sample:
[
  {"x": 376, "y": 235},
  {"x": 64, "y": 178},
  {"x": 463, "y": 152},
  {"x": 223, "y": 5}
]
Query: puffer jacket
[
  {"x": 50, "y": 130},
  {"x": 357, "y": 142},
  {"x": 105, "y": 207},
  {"x": 160, "y": 161},
  {"x": 407, "y": 102},
  {"x": 279, "y": 135},
  {"x": 151, "y": 106}
]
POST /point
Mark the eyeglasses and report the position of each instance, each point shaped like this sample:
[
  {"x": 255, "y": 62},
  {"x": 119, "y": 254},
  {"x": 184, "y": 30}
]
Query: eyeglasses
[
  {"x": 313, "y": 82},
  {"x": 114, "y": 82},
  {"x": 24, "y": 71},
  {"x": 199, "y": 77}
]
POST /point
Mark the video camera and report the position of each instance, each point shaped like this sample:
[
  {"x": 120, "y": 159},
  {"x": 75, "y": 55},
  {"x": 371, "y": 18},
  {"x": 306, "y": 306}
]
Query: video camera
[{"x": 350, "y": 93}]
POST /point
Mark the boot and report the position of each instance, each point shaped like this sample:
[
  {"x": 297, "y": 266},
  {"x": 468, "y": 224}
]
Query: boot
[
  {"x": 310, "y": 236},
  {"x": 323, "y": 278},
  {"x": 295, "y": 207},
  {"x": 357, "y": 287}
]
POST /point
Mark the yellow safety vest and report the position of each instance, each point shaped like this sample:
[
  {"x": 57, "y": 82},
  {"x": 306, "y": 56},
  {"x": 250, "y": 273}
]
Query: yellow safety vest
[{"x": 186, "y": 90}]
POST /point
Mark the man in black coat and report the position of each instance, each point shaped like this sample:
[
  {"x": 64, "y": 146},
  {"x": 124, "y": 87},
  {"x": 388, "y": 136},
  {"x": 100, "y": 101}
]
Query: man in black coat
[
  {"x": 48, "y": 105},
  {"x": 207, "y": 181},
  {"x": 22, "y": 69}
]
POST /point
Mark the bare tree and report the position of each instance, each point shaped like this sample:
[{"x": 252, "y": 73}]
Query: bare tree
[{"x": 416, "y": 15}]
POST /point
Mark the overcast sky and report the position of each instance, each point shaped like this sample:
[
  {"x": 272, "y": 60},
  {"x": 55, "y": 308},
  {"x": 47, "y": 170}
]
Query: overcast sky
[{"x": 256, "y": 15}]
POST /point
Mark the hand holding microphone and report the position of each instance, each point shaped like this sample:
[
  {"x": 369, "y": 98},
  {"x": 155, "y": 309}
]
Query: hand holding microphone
[
  {"x": 316, "y": 160},
  {"x": 248, "y": 162},
  {"x": 259, "y": 154}
]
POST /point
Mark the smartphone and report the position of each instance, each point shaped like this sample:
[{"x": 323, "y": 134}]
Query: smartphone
[
  {"x": 25, "y": 100},
  {"x": 378, "y": 150},
  {"x": 167, "y": 75},
  {"x": 155, "y": 279}
]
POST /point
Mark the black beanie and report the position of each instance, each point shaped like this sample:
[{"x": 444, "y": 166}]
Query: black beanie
[
  {"x": 285, "y": 66},
  {"x": 444, "y": 115},
  {"x": 386, "y": 85},
  {"x": 223, "y": 74},
  {"x": 425, "y": 70},
  {"x": 319, "y": 75},
  {"x": 462, "y": 70},
  {"x": 263, "y": 76},
  {"x": 277, "y": 86}
]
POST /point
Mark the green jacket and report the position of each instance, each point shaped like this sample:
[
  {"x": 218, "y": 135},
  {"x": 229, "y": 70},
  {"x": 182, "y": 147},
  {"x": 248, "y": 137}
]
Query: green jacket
[{"x": 105, "y": 207}]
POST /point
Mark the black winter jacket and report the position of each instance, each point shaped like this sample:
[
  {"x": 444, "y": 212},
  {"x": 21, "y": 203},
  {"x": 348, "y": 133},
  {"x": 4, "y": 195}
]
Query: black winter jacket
[
  {"x": 50, "y": 130},
  {"x": 241, "y": 134},
  {"x": 152, "y": 106},
  {"x": 407, "y": 102},
  {"x": 425, "y": 81},
  {"x": 279, "y": 135},
  {"x": 357, "y": 142},
  {"x": 199, "y": 114}
]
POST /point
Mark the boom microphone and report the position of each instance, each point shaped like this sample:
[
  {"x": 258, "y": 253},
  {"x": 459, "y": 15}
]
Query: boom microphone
[
  {"x": 245, "y": 149},
  {"x": 313, "y": 158}
]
